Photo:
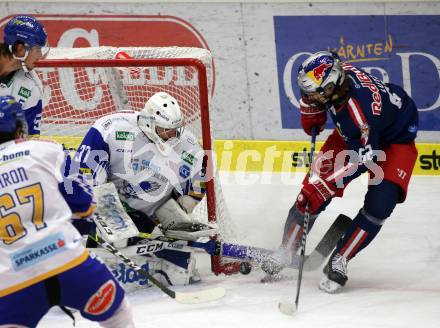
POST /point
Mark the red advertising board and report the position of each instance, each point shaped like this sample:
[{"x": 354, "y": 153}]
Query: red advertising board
[
  {"x": 118, "y": 31},
  {"x": 90, "y": 99}
]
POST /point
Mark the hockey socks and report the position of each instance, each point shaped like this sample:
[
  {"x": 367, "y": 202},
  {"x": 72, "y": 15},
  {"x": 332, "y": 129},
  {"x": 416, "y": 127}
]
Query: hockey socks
[
  {"x": 360, "y": 233},
  {"x": 380, "y": 202},
  {"x": 293, "y": 228}
]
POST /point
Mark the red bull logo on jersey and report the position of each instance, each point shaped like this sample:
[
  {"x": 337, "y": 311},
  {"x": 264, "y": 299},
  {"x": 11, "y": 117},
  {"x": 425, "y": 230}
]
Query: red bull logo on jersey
[{"x": 38, "y": 252}]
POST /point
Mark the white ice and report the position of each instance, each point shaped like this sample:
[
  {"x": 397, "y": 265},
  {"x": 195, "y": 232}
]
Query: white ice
[{"x": 394, "y": 283}]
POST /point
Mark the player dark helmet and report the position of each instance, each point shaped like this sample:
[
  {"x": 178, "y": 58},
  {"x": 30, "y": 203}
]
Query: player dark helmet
[
  {"x": 25, "y": 29},
  {"x": 321, "y": 74},
  {"x": 28, "y": 31},
  {"x": 12, "y": 119}
]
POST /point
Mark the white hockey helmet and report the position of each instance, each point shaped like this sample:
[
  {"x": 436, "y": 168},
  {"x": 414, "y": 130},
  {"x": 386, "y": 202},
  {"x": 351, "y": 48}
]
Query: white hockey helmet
[{"x": 161, "y": 119}]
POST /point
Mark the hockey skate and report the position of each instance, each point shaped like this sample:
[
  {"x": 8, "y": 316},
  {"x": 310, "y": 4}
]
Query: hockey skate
[
  {"x": 335, "y": 274},
  {"x": 274, "y": 264}
]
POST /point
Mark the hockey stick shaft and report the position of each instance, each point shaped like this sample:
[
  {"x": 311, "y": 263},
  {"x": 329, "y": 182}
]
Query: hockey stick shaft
[
  {"x": 127, "y": 261},
  {"x": 305, "y": 226},
  {"x": 185, "y": 298}
]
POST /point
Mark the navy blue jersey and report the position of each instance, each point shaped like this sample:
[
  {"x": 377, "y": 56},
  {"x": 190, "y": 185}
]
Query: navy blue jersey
[{"x": 375, "y": 115}]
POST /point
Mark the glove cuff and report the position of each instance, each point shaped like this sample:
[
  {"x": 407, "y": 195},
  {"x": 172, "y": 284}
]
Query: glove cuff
[
  {"x": 323, "y": 188},
  {"x": 310, "y": 109}
]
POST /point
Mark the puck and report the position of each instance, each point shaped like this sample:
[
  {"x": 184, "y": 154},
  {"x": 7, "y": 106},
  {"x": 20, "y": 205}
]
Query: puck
[{"x": 245, "y": 268}]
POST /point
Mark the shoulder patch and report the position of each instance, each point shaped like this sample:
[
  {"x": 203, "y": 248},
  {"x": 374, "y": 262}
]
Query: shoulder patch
[{"x": 106, "y": 124}]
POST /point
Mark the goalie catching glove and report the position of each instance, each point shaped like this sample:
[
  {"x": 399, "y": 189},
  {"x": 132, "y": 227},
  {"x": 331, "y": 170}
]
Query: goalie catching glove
[{"x": 177, "y": 224}]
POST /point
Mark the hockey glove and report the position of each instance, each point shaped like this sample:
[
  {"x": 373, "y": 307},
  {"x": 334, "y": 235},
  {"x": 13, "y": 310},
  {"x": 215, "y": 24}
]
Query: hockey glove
[
  {"x": 315, "y": 193},
  {"x": 312, "y": 116}
]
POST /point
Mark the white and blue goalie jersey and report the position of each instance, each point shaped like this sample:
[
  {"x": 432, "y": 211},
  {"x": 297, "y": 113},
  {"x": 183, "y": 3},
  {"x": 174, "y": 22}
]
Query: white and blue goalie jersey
[
  {"x": 37, "y": 201},
  {"x": 116, "y": 150}
]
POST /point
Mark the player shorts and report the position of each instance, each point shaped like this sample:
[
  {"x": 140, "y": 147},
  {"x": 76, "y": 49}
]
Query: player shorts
[
  {"x": 397, "y": 168},
  {"x": 399, "y": 165},
  {"x": 89, "y": 287}
]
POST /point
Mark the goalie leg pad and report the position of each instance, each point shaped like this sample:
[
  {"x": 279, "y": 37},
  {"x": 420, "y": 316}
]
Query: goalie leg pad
[
  {"x": 129, "y": 279},
  {"x": 176, "y": 268},
  {"x": 170, "y": 213},
  {"x": 111, "y": 219},
  {"x": 170, "y": 267}
]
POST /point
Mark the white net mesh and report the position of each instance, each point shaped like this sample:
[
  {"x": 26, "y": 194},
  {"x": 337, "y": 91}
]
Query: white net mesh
[{"x": 74, "y": 97}]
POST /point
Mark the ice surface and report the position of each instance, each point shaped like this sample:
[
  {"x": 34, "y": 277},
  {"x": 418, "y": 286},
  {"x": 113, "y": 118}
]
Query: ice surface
[{"x": 394, "y": 283}]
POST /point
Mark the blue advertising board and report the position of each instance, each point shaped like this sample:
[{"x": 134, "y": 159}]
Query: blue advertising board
[{"x": 401, "y": 49}]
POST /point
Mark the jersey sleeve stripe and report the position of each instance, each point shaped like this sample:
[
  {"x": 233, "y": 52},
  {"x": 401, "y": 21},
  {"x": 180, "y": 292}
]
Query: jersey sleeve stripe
[{"x": 356, "y": 113}]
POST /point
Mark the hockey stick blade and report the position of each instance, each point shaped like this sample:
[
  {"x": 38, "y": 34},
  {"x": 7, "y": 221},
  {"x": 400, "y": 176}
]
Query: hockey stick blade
[
  {"x": 328, "y": 242},
  {"x": 201, "y": 296},
  {"x": 286, "y": 307},
  {"x": 196, "y": 297}
]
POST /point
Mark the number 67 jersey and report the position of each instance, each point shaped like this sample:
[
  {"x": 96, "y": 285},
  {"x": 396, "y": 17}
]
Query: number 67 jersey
[{"x": 37, "y": 199}]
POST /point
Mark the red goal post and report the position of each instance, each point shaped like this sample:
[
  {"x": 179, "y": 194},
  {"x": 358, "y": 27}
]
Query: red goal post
[{"x": 81, "y": 85}]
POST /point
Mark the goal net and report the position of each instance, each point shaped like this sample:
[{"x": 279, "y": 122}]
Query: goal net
[{"x": 80, "y": 85}]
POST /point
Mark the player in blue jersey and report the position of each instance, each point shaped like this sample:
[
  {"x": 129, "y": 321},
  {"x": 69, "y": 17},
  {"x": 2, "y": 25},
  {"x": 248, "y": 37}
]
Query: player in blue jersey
[
  {"x": 376, "y": 124},
  {"x": 42, "y": 260},
  {"x": 25, "y": 42}
]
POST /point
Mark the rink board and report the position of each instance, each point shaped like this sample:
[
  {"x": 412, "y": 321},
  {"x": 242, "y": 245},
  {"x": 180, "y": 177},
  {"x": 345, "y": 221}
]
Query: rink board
[{"x": 281, "y": 156}]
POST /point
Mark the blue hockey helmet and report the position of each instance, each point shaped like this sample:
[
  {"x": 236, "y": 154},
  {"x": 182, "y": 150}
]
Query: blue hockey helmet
[
  {"x": 26, "y": 29},
  {"x": 318, "y": 71},
  {"x": 11, "y": 113}
]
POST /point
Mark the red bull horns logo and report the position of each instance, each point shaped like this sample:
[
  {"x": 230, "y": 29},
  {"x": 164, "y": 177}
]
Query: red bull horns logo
[{"x": 317, "y": 73}]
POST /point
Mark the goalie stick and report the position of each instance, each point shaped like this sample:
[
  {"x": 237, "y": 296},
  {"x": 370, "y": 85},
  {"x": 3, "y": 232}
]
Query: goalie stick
[
  {"x": 184, "y": 298},
  {"x": 244, "y": 253},
  {"x": 311, "y": 262}
]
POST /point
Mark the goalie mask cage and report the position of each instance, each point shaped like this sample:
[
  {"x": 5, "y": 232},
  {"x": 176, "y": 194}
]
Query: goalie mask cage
[{"x": 80, "y": 85}]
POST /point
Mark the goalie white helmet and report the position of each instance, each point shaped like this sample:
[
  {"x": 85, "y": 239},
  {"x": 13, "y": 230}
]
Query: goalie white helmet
[{"x": 162, "y": 121}]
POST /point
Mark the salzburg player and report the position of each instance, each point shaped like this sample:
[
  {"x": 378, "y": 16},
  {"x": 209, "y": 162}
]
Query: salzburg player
[
  {"x": 376, "y": 124},
  {"x": 25, "y": 42},
  {"x": 42, "y": 260}
]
